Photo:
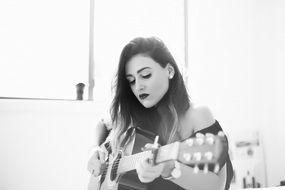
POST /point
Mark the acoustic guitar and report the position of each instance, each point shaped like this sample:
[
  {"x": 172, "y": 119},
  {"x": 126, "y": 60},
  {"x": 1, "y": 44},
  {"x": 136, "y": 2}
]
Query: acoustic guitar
[{"x": 206, "y": 152}]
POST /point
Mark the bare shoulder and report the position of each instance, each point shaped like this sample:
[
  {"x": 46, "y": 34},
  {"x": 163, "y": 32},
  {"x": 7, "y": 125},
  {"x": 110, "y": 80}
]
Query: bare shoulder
[{"x": 200, "y": 116}]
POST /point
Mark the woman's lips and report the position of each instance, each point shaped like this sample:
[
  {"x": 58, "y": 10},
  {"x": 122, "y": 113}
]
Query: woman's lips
[{"x": 143, "y": 96}]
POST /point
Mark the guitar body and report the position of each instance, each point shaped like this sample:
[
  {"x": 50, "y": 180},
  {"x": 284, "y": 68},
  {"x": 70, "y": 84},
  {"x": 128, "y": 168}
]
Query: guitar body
[{"x": 128, "y": 180}]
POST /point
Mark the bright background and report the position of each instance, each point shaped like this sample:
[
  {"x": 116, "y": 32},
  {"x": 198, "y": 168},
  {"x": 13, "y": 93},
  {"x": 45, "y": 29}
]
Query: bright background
[{"x": 236, "y": 66}]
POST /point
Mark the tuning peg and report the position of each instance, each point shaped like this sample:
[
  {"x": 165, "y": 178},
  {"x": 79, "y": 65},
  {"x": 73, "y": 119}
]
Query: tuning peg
[
  {"x": 197, "y": 156},
  {"x": 209, "y": 155},
  {"x": 189, "y": 142},
  {"x": 221, "y": 134},
  {"x": 196, "y": 169},
  {"x": 210, "y": 140},
  {"x": 199, "y": 135},
  {"x": 206, "y": 168},
  {"x": 209, "y": 135},
  {"x": 200, "y": 140},
  {"x": 217, "y": 168},
  {"x": 187, "y": 157}
]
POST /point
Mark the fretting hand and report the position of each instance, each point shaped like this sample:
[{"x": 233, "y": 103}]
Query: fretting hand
[{"x": 146, "y": 170}]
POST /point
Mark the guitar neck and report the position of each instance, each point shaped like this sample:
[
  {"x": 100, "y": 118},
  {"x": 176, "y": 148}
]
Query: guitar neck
[
  {"x": 193, "y": 151},
  {"x": 164, "y": 153},
  {"x": 128, "y": 163}
]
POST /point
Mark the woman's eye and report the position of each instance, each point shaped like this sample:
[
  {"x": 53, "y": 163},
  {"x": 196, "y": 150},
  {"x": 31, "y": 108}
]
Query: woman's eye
[
  {"x": 132, "y": 82},
  {"x": 146, "y": 76}
]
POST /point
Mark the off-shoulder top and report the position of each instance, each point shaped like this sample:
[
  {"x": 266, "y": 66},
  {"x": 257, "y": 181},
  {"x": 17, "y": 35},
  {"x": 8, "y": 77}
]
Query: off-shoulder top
[{"x": 160, "y": 183}]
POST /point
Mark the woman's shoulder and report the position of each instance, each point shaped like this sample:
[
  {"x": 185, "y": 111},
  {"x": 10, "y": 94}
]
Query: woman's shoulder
[{"x": 199, "y": 116}]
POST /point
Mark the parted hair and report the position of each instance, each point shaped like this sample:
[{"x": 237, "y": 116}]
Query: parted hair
[{"x": 126, "y": 111}]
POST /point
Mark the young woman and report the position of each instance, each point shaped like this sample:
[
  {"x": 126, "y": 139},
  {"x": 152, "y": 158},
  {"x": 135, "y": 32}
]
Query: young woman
[{"x": 150, "y": 94}]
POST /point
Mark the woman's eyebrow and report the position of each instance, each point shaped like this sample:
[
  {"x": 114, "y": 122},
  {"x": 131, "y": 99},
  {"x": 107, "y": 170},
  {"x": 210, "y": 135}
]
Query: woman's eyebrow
[{"x": 140, "y": 70}]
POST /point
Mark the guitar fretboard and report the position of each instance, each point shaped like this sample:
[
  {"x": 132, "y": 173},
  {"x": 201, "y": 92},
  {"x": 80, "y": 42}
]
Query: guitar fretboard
[
  {"x": 167, "y": 152},
  {"x": 128, "y": 163}
]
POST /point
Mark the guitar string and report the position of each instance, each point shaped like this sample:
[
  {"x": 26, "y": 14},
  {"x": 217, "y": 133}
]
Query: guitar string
[{"x": 132, "y": 160}]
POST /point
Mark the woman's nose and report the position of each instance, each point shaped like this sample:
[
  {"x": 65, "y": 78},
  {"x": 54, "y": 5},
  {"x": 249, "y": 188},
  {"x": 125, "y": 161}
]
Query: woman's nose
[{"x": 139, "y": 86}]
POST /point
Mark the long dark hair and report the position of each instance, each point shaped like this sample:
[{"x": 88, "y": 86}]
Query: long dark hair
[{"x": 127, "y": 111}]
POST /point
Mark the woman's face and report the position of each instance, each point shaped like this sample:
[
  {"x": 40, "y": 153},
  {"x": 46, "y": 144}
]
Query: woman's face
[{"x": 147, "y": 79}]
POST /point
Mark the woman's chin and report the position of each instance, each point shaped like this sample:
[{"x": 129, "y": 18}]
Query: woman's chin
[{"x": 147, "y": 104}]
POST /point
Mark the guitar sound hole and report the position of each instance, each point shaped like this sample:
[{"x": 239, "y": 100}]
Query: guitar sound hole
[{"x": 114, "y": 170}]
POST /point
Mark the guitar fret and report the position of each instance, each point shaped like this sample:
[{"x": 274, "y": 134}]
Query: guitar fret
[
  {"x": 168, "y": 152},
  {"x": 128, "y": 163}
]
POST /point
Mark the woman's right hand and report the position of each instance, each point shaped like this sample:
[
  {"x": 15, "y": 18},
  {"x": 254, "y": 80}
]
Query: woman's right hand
[{"x": 96, "y": 161}]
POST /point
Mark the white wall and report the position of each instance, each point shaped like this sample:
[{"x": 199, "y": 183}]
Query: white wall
[
  {"x": 236, "y": 62},
  {"x": 44, "y": 144}
]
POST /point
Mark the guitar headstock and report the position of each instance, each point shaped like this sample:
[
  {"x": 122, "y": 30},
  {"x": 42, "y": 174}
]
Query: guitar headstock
[{"x": 203, "y": 151}]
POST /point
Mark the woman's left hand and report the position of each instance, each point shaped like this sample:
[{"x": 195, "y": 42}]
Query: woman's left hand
[{"x": 146, "y": 171}]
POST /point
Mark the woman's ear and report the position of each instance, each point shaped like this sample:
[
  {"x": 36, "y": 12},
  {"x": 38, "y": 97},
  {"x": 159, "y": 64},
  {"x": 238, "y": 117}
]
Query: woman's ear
[{"x": 171, "y": 71}]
